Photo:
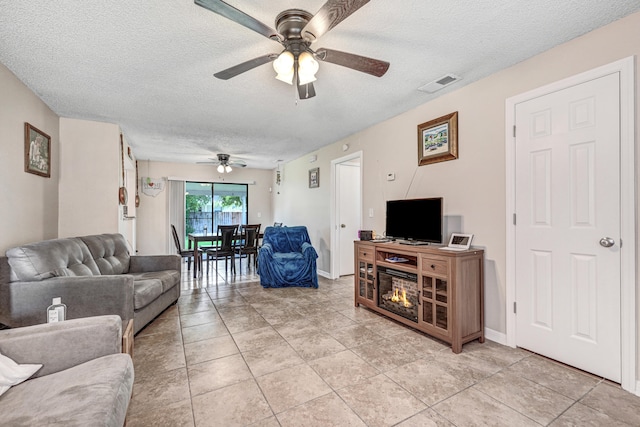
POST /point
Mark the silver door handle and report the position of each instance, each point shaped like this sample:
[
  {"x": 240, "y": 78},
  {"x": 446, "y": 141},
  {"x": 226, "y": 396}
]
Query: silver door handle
[{"x": 607, "y": 242}]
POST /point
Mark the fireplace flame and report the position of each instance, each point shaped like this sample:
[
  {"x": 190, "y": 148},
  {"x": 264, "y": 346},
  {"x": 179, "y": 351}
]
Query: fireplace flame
[{"x": 401, "y": 296}]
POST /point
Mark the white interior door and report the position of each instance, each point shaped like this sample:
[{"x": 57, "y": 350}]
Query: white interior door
[
  {"x": 567, "y": 278},
  {"x": 348, "y": 212}
]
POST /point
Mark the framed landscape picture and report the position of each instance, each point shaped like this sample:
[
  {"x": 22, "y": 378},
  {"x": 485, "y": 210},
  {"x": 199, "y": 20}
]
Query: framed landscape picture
[
  {"x": 37, "y": 151},
  {"x": 438, "y": 140},
  {"x": 314, "y": 178}
]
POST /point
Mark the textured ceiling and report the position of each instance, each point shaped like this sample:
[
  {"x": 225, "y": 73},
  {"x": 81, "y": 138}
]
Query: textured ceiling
[{"x": 148, "y": 65}]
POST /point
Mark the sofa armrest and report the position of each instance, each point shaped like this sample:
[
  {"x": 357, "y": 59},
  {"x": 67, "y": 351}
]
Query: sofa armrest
[
  {"x": 62, "y": 345},
  {"x": 309, "y": 251},
  {"x": 26, "y": 302},
  {"x": 145, "y": 263},
  {"x": 266, "y": 250}
]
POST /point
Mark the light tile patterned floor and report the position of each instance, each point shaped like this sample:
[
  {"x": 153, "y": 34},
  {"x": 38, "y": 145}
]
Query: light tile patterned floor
[{"x": 231, "y": 353}]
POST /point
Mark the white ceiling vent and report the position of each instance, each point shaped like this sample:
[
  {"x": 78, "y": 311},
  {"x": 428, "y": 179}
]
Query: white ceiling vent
[{"x": 438, "y": 84}]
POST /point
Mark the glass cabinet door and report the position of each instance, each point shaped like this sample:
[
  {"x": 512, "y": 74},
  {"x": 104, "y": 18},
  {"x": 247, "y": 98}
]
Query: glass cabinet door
[
  {"x": 434, "y": 299},
  {"x": 366, "y": 280}
]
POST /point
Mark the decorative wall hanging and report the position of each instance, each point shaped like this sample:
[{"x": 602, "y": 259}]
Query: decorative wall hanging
[
  {"x": 314, "y": 178},
  {"x": 137, "y": 186},
  {"x": 152, "y": 186},
  {"x": 438, "y": 140},
  {"x": 37, "y": 151},
  {"x": 122, "y": 191}
]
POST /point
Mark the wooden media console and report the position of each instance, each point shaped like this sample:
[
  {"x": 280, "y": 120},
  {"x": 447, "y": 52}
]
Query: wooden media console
[{"x": 438, "y": 292}]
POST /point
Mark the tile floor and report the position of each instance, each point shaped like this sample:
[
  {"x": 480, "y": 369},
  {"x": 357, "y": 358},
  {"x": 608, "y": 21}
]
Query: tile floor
[{"x": 231, "y": 353}]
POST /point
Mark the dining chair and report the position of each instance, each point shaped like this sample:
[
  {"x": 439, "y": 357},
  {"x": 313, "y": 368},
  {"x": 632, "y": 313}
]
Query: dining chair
[
  {"x": 186, "y": 253},
  {"x": 227, "y": 235},
  {"x": 249, "y": 245}
]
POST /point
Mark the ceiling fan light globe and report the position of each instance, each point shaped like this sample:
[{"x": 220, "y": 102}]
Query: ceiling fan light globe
[
  {"x": 284, "y": 63},
  {"x": 227, "y": 169},
  {"x": 307, "y": 68},
  {"x": 220, "y": 169},
  {"x": 307, "y": 63},
  {"x": 306, "y": 78},
  {"x": 287, "y": 78}
]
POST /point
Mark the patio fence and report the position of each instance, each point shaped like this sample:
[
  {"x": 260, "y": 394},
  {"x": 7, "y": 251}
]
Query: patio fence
[{"x": 195, "y": 222}]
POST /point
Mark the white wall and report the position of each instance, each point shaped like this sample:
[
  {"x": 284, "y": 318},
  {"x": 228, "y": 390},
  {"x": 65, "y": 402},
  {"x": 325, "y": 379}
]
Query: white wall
[
  {"x": 89, "y": 178},
  {"x": 473, "y": 186},
  {"x": 152, "y": 215},
  {"x": 28, "y": 203}
]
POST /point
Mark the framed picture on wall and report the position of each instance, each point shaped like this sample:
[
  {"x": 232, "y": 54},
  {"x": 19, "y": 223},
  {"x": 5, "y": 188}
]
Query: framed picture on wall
[
  {"x": 37, "y": 151},
  {"x": 438, "y": 140},
  {"x": 314, "y": 178}
]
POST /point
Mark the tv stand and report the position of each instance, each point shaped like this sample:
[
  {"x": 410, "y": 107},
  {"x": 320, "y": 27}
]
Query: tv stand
[{"x": 445, "y": 289}]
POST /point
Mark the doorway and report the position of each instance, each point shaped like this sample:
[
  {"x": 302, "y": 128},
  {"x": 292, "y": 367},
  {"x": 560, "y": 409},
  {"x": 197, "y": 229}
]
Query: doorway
[
  {"x": 346, "y": 218},
  {"x": 570, "y": 179}
]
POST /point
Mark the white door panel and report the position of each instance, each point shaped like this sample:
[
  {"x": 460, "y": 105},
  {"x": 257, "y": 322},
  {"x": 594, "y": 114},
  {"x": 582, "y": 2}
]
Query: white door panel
[
  {"x": 348, "y": 183},
  {"x": 567, "y": 199}
]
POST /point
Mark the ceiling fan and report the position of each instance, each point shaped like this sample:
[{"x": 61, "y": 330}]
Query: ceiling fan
[
  {"x": 225, "y": 164},
  {"x": 296, "y": 31}
]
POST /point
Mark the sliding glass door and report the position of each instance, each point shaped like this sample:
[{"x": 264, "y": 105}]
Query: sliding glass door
[{"x": 208, "y": 205}]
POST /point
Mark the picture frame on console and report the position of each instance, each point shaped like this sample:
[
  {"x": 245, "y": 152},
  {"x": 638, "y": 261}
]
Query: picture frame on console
[
  {"x": 438, "y": 140},
  {"x": 37, "y": 151}
]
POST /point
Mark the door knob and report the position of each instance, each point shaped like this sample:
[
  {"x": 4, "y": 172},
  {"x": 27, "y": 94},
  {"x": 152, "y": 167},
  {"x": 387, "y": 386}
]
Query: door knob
[
  {"x": 607, "y": 242},
  {"x": 342, "y": 226}
]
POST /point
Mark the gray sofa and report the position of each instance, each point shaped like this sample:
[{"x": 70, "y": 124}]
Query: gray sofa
[
  {"x": 94, "y": 275},
  {"x": 84, "y": 380}
]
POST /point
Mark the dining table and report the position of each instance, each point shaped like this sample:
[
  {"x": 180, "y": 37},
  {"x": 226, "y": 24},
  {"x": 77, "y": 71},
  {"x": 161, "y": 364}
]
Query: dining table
[{"x": 194, "y": 240}]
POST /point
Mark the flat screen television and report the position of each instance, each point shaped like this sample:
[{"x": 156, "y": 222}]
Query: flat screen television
[{"x": 415, "y": 219}]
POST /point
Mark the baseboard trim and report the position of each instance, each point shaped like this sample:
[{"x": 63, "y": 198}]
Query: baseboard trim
[
  {"x": 495, "y": 336},
  {"x": 324, "y": 274}
]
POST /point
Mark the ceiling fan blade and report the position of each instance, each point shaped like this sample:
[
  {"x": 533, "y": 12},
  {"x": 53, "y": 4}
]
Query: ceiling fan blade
[
  {"x": 245, "y": 66},
  {"x": 331, "y": 14},
  {"x": 375, "y": 67},
  {"x": 230, "y": 12},
  {"x": 306, "y": 91}
]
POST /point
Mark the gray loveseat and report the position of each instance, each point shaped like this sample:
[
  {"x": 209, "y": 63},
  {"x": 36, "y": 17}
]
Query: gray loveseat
[
  {"x": 84, "y": 380},
  {"x": 94, "y": 275}
]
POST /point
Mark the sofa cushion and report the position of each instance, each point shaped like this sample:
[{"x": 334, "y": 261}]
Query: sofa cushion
[
  {"x": 168, "y": 278},
  {"x": 145, "y": 291},
  {"x": 51, "y": 258},
  {"x": 93, "y": 393},
  {"x": 109, "y": 251}
]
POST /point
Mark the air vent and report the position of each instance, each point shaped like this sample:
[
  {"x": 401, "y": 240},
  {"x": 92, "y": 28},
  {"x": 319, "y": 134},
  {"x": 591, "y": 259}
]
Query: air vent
[{"x": 440, "y": 83}]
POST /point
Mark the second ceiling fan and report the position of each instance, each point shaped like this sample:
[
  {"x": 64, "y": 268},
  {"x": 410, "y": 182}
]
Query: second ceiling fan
[{"x": 296, "y": 31}]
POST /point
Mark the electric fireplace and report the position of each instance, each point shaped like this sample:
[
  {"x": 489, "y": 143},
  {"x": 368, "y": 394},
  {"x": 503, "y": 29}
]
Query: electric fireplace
[{"x": 398, "y": 293}]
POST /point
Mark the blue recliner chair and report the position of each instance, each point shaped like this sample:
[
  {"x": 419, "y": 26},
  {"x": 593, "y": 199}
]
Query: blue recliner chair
[{"x": 287, "y": 258}]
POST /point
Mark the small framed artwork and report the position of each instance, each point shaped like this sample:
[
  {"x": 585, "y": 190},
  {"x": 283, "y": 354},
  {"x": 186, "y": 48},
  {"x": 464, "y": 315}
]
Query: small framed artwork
[
  {"x": 438, "y": 140},
  {"x": 314, "y": 178},
  {"x": 37, "y": 151}
]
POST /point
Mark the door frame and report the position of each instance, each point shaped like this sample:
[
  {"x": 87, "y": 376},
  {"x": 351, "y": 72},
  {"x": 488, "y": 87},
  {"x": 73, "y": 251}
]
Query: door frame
[
  {"x": 628, "y": 323},
  {"x": 335, "y": 246}
]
